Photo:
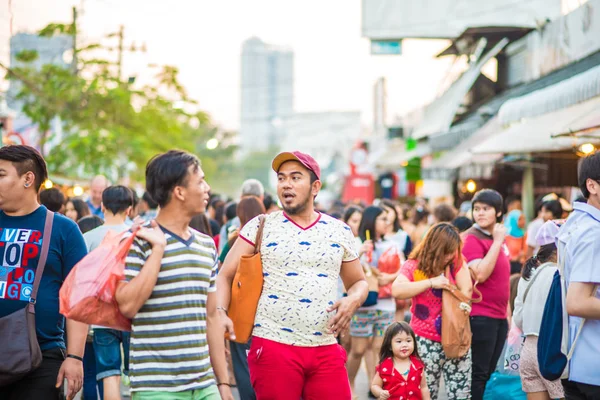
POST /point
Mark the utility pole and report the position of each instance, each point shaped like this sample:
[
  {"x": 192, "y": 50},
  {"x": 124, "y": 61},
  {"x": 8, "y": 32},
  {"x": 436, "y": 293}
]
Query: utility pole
[
  {"x": 120, "y": 59},
  {"x": 74, "y": 37}
]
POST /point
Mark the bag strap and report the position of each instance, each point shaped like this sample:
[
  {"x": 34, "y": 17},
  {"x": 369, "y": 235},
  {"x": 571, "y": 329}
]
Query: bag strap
[
  {"x": 473, "y": 277},
  {"x": 570, "y": 355},
  {"x": 259, "y": 233},
  {"x": 537, "y": 273},
  {"x": 39, "y": 271}
]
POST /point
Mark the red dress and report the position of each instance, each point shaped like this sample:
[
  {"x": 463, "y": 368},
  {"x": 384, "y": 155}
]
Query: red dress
[{"x": 394, "y": 382}]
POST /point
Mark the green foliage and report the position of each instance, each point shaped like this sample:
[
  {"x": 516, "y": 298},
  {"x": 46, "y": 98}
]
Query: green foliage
[{"x": 108, "y": 126}]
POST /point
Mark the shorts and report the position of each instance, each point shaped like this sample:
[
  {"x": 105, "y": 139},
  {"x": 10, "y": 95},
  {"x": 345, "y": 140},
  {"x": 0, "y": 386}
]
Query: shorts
[
  {"x": 531, "y": 377},
  {"x": 107, "y": 346},
  {"x": 281, "y": 371},
  {"x": 369, "y": 323},
  {"x": 209, "y": 393}
]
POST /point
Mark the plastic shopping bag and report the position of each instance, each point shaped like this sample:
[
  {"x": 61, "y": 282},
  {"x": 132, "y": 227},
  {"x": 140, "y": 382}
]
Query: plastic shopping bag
[
  {"x": 88, "y": 293},
  {"x": 389, "y": 263},
  {"x": 512, "y": 354}
]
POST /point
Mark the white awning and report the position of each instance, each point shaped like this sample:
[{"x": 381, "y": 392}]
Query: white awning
[
  {"x": 439, "y": 115},
  {"x": 535, "y": 134},
  {"x": 461, "y": 155},
  {"x": 396, "y": 155},
  {"x": 577, "y": 89}
]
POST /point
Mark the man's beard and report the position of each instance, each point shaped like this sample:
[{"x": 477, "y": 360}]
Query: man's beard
[{"x": 299, "y": 209}]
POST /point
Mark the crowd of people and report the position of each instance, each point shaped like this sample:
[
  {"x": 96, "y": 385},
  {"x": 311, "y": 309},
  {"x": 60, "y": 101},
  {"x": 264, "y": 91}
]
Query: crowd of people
[{"x": 351, "y": 284}]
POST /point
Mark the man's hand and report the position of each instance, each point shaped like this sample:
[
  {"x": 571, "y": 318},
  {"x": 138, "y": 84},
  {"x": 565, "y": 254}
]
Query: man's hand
[
  {"x": 153, "y": 235},
  {"x": 226, "y": 324},
  {"x": 346, "y": 307},
  {"x": 499, "y": 233},
  {"x": 71, "y": 370},
  {"x": 225, "y": 392}
]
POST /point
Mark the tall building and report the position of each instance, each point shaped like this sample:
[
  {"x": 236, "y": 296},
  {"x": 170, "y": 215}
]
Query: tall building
[{"x": 267, "y": 93}]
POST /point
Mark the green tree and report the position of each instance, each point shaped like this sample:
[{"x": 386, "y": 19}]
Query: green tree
[{"x": 109, "y": 126}]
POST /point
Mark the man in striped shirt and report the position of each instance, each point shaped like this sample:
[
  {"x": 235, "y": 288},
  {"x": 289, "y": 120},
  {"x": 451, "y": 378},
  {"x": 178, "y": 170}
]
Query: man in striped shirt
[{"x": 169, "y": 292}]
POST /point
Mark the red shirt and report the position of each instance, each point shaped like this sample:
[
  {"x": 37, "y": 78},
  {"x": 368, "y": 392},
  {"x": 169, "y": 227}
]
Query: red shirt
[
  {"x": 496, "y": 289},
  {"x": 394, "y": 382}
]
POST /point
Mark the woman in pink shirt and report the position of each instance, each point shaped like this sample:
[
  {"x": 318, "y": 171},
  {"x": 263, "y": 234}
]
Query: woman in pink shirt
[
  {"x": 421, "y": 278},
  {"x": 487, "y": 255}
]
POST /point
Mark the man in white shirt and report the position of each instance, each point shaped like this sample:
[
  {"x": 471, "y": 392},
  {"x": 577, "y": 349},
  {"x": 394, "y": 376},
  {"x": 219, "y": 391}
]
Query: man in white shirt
[{"x": 294, "y": 352}]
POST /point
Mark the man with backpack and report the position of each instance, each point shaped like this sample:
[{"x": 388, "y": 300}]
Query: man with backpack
[
  {"x": 579, "y": 241},
  {"x": 25, "y": 241}
]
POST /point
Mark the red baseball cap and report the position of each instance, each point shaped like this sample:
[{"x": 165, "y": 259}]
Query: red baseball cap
[{"x": 302, "y": 158}]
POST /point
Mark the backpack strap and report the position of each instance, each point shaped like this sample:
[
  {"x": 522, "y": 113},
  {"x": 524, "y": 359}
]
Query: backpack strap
[
  {"x": 39, "y": 271},
  {"x": 537, "y": 273}
]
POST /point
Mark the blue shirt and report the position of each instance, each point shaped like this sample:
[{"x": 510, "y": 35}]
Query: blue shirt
[
  {"x": 581, "y": 235},
  {"x": 95, "y": 211},
  {"x": 20, "y": 245}
]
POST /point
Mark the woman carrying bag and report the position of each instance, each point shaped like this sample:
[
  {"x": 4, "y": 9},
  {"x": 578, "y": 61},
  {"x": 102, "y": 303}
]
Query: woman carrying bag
[{"x": 422, "y": 280}]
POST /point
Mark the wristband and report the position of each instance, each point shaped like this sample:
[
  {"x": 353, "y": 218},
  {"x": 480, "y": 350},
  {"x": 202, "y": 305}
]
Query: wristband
[
  {"x": 75, "y": 357},
  {"x": 431, "y": 283},
  {"x": 223, "y": 384},
  {"x": 222, "y": 309}
]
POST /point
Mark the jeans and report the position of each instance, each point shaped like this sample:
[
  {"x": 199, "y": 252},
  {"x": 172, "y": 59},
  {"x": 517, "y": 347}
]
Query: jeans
[
  {"x": 580, "y": 391},
  {"x": 107, "y": 345},
  {"x": 40, "y": 383},
  {"x": 489, "y": 335},
  {"x": 89, "y": 375},
  {"x": 239, "y": 357}
]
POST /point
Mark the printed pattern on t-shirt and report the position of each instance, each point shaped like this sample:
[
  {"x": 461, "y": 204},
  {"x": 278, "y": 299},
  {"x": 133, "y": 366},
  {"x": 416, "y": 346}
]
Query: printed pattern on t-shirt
[
  {"x": 20, "y": 249},
  {"x": 169, "y": 349},
  {"x": 426, "y": 307},
  {"x": 301, "y": 267}
]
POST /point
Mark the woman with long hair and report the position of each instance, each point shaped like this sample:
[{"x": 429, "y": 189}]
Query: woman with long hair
[
  {"x": 422, "y": 280},
  {"x": 369, "y": 323},
  {"x": 75, "y": 209},
  {"x": 248, "y": 208},
  {"x": 536, "y": 280},
  {"x": 420, "y": 220}
]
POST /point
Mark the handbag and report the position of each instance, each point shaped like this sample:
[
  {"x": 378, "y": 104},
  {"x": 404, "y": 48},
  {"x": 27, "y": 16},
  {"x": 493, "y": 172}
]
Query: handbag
[
  {"x": 246, "y": 289},
  {"x": 21, "y": 349},
  {"x": 456, "y": 325}
]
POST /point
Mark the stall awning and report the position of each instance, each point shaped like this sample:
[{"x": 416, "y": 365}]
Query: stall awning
[
  {"x": 439, "y": 115},
  {"x": 577, "y": 89},
  {"x": 536, "y": 134},
  {"x": 397, "y": 155},
  {"x": 461, "y": 155}
]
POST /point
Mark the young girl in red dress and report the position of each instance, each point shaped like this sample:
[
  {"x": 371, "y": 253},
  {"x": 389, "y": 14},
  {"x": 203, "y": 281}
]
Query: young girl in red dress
[{"x": 400, "y": 374}]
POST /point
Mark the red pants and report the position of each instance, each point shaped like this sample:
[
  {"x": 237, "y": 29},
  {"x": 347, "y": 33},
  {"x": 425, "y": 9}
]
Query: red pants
[{"x": 283, "y": 372}]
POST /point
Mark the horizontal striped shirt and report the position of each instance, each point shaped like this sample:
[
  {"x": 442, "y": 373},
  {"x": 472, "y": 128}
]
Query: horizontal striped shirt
[{"x": 169, "y": 349}]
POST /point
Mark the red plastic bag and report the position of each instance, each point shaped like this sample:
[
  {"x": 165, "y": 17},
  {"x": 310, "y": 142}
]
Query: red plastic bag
[
  {"x": 388, "y": 263},
  {"x": 88, "y": 293}
]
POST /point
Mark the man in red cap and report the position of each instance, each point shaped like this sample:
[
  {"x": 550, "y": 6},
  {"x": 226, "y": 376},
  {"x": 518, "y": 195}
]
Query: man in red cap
[{"x": 294, "y": 352}]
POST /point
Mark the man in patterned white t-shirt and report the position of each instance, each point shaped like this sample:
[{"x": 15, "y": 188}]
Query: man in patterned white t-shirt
[{"x": 294, "y": 351}]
